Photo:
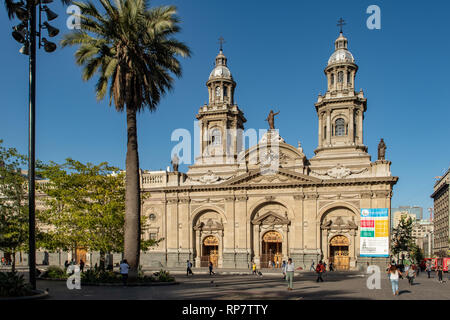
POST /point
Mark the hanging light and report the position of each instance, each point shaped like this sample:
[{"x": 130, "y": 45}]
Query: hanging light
[
  {"x": 20, "y": 33},
  {"x": 21, "y": 13},
  {"x": 52, "y": 31},
  {"x": 50, "y": 14},
  {"x": 48, "y": 46},
  {"x": 25, "y": 49}
]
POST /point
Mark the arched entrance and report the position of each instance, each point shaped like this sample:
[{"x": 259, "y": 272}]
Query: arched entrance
[
  {"x": 271, "y": 249},
  {"x": 210, "y": 251},
  {"x": 339, "y": 255}
]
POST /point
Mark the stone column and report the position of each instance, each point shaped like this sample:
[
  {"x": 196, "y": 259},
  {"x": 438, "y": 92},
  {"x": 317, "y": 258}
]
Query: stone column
[
  {"x": 325, "y": 243},
  {"x": 360, "y": 126},
  {"x": 285, "y": 248},
  {"x": 257, "y": 244},
  {"x": 198, "y": 248},
  {"x": 221, "y": 246},
  {"x": 351, "y": 133},
  {"x": 320, "y": 129},
  {"x": 202, "y": 142},
  {"x": 328, "y": 127}
]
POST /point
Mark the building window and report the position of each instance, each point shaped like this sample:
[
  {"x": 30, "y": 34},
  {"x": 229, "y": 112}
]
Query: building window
[
  {"x": 225, "y": 92},
  {"x": 153, "y": 236},
  {"x": 340, "y": 127},
  {"x": 216, "y": 137},
  {"x": 332, "y": 78},
  {"x": 349, "y": 77},
  {"x": 152, "y": 217},
  {"x": 217, "y": 91},
  {"x": 340, "y": 77}
]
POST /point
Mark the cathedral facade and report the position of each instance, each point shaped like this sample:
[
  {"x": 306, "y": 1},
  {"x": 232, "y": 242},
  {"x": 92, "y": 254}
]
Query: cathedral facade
[{"x": 270, "y": 202}]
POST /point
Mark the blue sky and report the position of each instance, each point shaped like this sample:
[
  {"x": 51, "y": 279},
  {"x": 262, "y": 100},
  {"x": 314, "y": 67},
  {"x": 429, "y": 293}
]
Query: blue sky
[{"x": 277, "y": 52}]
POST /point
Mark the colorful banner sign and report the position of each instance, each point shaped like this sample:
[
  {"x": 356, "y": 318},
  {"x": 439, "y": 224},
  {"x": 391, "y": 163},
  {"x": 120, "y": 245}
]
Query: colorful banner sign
[{"x": 374, "y": 237}]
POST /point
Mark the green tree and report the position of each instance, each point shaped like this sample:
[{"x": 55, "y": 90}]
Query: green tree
[
  {"x": 133, "y": 50},
  {"x": 84, "y": 208},
  {"x": 402, "y": 239},
  {"x": 416, "y": 253},
  {"x": 13, "y": 202}
]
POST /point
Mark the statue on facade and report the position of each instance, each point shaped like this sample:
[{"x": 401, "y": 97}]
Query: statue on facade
[
  {"x": 271, "y": 119},
  {"x": 381, "y": 150},
  {"x": 175, "y": 162},
  {"x": 300, "y": 147}
]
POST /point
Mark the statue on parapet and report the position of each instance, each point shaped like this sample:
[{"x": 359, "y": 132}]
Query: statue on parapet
[
  {"x": 381, "y": 150},
  {"x": 271, "y": 119},
  {"x": 175, "y": 162}
]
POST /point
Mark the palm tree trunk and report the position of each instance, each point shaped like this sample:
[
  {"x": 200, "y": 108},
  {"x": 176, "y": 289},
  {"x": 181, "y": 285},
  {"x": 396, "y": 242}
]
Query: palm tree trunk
[{"x": 132, "y": 231}]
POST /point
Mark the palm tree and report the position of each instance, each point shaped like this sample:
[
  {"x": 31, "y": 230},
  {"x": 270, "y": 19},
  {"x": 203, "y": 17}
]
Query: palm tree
[{"x": 132, "y": 49}]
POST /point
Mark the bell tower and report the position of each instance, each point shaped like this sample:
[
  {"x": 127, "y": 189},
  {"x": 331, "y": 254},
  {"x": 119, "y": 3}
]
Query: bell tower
[
  {"x": 221, "y": 121},
  {"x": 341, "y": 110}
]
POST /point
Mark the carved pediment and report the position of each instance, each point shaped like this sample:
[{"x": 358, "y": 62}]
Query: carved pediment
[
  {"x": 339, "y": 172},
  {"x": 281, "y": 176},
  {"x": 209, "y": 225},
  {"x": 339, "y": 224},
  {"x": 271, "y": 218}
]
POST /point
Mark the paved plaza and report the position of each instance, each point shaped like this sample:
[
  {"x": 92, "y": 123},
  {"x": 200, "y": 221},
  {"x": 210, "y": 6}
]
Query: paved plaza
[{"x": 337, "y": 286}]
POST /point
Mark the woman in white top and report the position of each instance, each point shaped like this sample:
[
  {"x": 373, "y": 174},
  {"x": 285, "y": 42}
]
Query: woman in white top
[
  {"x": 290, "y": 273},
  {"x": 394, "y": 275}
]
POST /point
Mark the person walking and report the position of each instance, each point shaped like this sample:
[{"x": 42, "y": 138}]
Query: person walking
[
  {"x": 411, "y": 274},
  {"x": 312, "y": 268},
  {"x": 254, "y": 268},
  {"x": 290, "y": 273},
  {"x": 283, "y": 268},
  {"x": 394, "y": 275},
  {"x": 319, "y": 271},
  {"x": 331, "y": 266},
  {"x": 81, "y": 265},
  {"x": 189, "y": 270},
  {"x": 439, "y": 272},
  {"x": 211, "y": 272},
  {"x": 124, "y": 267},
  {"x": 429, "y": 269}
]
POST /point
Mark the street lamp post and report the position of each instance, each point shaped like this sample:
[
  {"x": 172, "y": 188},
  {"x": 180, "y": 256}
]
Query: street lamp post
[{"x": 26, "y": 33}]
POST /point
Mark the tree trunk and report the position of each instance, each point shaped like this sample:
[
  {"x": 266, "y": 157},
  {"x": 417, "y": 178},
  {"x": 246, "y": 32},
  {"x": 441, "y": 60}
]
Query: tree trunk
[
  {"x": 132, "y": 229},
  {"x": 13, "y": 261},
  {"x": 102, "y": 261}
]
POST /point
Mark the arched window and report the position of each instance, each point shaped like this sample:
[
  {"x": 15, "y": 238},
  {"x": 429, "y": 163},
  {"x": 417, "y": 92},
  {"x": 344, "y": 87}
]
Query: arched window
[
  {"x": 340, "y": 77},
  {"x": 340, "y": 127},
  {"x": 349, "y": 77},
  {"x": 217, "y": 91},
  {"x": 216, "y": 137},
  {"x": 225, "y": 92},
  {"x": 332, "y": 78}
]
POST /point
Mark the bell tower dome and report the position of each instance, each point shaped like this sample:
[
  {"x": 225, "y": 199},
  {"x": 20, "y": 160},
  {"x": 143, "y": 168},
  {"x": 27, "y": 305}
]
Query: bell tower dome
[
  {"x": 221, "y": 121},
  {"x": 341, "y": 110},
  {"x": 220, "y": 83}
]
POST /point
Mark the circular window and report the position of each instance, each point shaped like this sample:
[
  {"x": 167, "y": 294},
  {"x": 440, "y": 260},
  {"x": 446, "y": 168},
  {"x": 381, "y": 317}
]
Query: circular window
[{"x": 152, "y": 217}]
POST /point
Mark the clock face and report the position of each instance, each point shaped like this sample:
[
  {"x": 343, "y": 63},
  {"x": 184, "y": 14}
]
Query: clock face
[{"x": 218, "y": 91}]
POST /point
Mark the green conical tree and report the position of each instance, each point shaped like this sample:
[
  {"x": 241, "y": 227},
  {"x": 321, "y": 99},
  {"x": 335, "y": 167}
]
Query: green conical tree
[{"x": 133, "y": 50}]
